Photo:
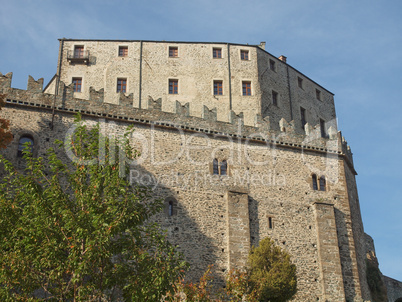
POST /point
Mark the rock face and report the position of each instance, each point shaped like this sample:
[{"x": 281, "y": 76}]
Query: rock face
[{"x": 232, "y": 168}]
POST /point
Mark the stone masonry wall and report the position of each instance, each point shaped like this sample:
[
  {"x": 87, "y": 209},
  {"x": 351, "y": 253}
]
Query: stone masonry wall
[
  {"x": 196, "y": 70},
  {"x": 274, "y": 167}
]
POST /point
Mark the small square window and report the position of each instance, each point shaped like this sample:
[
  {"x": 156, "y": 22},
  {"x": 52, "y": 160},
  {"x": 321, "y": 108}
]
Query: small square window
[
  {"x": 78, "y": 52},
  {"x": 77, "y": 84},
  {"x": 218, "y": 90},
  {"x": 121, "y": 85},
  {"x": 246, "y": 88},
  {"x": 318, "y": 94},
  {"x": 217, "y": 53},
  {"x": 244, "y": 54},
  {"x": 274, "y": 98},
  {"x": 272, "y": 65},
  {"x": 173, "y": 52},
  {"x": 300, "y": 82},
  {"x": 123, "y": 51},
  {"x": 173, "y": 86}
]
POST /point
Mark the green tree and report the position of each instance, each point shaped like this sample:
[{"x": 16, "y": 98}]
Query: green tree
[
  {"x": 79, "y": 231},
  {"x": 5, "y": 135},
  {"x": 271, "y": 275}
]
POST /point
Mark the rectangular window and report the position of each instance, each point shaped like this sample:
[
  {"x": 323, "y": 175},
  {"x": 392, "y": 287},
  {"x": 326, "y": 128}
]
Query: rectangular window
[
  {"x": 217, "y": 53},
  {"x": 244, "y": 54},
  {"x": 121, "y": 85},
  {"x": 270, "y": 223},
  {"x": 246, "y": 88},
  {"x": 300, "y": 82},
  {"x": 322, "y": 127},
  {"x": 78, "y": 51},
  {"x": 173, "y": 52},
  {"x": 303, "y": 116},
  {"x": 318, "y": 94},
  {"x": 274, "y": 98},
  {"x": 272, "y": 65},
  {"x": 173, "y": 86},
  {"x": 218, "y": 88},
  {"x": 123, "y": 51},
  {"x": 77, "y": 82}
]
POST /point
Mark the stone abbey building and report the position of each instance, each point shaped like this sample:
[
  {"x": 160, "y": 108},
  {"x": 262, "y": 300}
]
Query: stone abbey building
[{"x": 240, "y": 145}]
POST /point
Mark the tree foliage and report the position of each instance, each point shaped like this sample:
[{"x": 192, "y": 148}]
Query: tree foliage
[
  {"x": 79, "y": 232},
  {"x": 5, "y": 135},
  {"x": 272, "y": 276}
]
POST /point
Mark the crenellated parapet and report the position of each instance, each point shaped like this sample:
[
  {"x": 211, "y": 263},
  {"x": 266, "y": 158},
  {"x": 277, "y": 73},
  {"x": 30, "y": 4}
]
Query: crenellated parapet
[
  {"x": 262, "y": 131},
  {"x": 154, "y": 104},
  {"x": 126, "y": 100},
  {"x": 209, "y": 115},
  {"x": 5, "y": 80},
  {"x": 97, "y": 96},
  {"x": 183, "y": 110},
  {"x": 35, "y": 86}
]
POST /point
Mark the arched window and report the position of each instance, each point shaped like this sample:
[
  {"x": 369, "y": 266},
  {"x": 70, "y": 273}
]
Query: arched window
[
  {"x": 215, "y": 167},
  {"x": 322, "y": 183},
  {"x": 170, "y": 208},
  {"x": 315, "y": 184},
  {"x": 224, "y": 167},
  {"x": 23, "y": 140}
]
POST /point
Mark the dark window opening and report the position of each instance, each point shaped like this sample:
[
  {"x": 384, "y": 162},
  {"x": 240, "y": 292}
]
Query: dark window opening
[
  {"x": 123, "y": 51},
  {"x": 315, "y": 184},
  {"x": 322, "y": 183},
  {"x": 173, "y": 86},
  {"x": 275, "y": 98},
  {"x": 272, "y": 65},
  {"x": 244, "y": 54},
  {"x": 215, "y": 167},
  {"x": 217, "y": 53},
  {"x": 77, "y": 84},
  {"x": 303, "y": 116},
  {"x": 218, "y": 90},
  {"x": 219, "y": 168},
  {"x": 21, "y": 144},
  {"x": 224, "y": 167},
  {"x": 173, "y": 52},
  {"x": 300, "y": 82},
  {"x": 121, "y": 85},
  {"x": 322, "y": 127},
  {"x": 270, "y": 225},
  {"x": 246, "y": 88},
  {"x": 318, "y": 94},
  {"x": 78, "y": 51},
  {"x": 170, "y": 208}
]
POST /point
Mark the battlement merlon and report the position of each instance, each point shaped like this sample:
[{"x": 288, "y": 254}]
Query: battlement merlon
[{"x": 260, "y": 133}]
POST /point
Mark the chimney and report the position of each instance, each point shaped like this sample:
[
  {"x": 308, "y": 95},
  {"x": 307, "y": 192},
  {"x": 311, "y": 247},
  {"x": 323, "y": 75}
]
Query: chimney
[
  {"x": 282, "y": 58},
  {"x": 262, "y": 45}
]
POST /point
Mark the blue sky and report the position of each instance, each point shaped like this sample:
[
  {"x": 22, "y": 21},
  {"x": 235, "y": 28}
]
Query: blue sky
[{"x": 353, "y": 48}]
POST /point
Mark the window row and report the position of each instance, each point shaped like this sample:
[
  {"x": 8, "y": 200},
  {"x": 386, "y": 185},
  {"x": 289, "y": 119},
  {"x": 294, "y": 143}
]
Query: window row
[
  {"x": 121, "y": 86},
  {"x": 216, "y": 53},
  {"x": 300, "y": 84},
  {"x": 217, "y": 87}
]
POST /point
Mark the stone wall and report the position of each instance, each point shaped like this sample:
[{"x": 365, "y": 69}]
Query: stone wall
[
  {"x": 394, "y": 289},
  {"x": 214, "y": 221},
  {"x": 148, "y": 68}
]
